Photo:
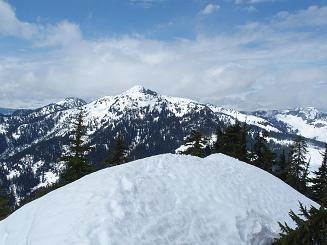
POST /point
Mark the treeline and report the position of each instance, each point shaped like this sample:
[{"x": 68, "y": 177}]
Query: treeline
[{"x": 292, "y": 168}]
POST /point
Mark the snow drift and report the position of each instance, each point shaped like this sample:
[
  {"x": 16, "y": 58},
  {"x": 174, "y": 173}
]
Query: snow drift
[{"x": 165, "y": 199}]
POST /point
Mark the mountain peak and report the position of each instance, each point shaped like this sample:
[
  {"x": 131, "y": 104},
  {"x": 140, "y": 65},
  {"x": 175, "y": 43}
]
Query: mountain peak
[
  {"x": 308, "y": 112},
  {"x": 138, "y": 89},
  {"x": 71, "y": 102}
]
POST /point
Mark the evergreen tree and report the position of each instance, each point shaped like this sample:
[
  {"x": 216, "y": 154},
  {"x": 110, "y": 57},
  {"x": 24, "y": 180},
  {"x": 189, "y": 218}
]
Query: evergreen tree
[
  {"x": 216, "y": 146},
  {"x": 297, "y": 170},
  {"x": 310, "y": 230},
  {"x": 232, "y": 141},
  {"x": 4, "y": 204},
  {"x": 319, "y": 181},
  {"x": 242, "y": 154},
  {"x": 282, "y": 165},
  {"x": 119, "y": 153},
  {"x": 263, "y": 157},
  {"x": 76, "y": 165},
  {"x": 195, "y": 144}
]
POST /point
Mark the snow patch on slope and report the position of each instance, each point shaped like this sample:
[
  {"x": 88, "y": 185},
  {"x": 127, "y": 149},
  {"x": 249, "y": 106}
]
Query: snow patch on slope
[
  {"x": 166, "y": 199},
  {"x": 247, "y": 118},
  {"x": 302, "y": 127}
]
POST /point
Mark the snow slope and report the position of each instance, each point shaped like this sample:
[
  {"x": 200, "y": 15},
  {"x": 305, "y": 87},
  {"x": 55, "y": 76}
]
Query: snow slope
[
  {"x": 308, "y": 122},
  {"x": 165, "y": 199}
]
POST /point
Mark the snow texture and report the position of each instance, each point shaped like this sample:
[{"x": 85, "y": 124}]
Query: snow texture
[{"x": 165, "y": 199}]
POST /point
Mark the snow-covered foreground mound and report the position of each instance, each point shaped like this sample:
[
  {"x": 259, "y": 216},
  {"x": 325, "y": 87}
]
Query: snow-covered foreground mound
[{"x": 165, "y": 199}]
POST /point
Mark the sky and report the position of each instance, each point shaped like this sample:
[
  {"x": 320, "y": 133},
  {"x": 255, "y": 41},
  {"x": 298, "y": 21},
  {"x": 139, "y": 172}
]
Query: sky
[{"x": 243, "y": 54}]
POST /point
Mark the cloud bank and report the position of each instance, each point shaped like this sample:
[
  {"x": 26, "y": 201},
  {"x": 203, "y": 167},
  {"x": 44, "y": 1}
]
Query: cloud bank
[{"x": 261, "y": 65}]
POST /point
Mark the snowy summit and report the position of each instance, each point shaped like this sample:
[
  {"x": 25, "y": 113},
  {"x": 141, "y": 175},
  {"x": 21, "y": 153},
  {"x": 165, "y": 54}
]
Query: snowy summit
[{"x": 165, "y": 199}]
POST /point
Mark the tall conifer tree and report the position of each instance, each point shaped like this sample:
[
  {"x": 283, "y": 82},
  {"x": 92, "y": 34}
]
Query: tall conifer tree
[
  {"x": 319, "y": 181},
  {"x": 76, "y": 165},
  {"x": 297, "y": 174},
  {"x": 282, "y": 165}
]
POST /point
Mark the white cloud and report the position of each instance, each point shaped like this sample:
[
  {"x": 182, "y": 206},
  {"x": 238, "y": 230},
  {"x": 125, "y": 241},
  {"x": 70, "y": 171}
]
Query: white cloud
[
  {"x": 310, "y": 17},
  {"x": 221, "y": 70},
  {"x": 63, "y": 33},
  {"x": 11, "y": 26},
  {"x": 210, "y": 8}
]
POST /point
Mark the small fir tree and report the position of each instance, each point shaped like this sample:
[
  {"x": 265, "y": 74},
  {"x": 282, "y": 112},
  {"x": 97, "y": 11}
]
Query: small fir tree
[
  {"x": 310, "y": 230},
  {"x": 319, "y": 181},
  {"x": 119, "y": 153},
  {"x": 196, "y": 144},
  {"x": 76, "y": 165}
]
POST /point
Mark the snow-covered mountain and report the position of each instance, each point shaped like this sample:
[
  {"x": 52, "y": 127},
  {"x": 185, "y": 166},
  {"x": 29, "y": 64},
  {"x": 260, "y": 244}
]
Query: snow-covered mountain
[
  {"x": 165, "y": 199},
  {"x": 308, "y": 122},
  {"x": 32, "y": 141}
]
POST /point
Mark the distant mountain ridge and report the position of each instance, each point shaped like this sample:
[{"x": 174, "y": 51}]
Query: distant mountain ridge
[
  {"x": 6, "y": 111},
  {"x": 32, "y": 141},
  {"x": 308, "y": 122}
]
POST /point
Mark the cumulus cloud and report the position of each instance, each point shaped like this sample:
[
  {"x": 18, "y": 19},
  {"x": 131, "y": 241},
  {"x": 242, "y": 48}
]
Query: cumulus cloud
[
  {"x": 210, "y": 8},
  {"x": 61, "y": 34},
  {"x": 11, "y": 26}
]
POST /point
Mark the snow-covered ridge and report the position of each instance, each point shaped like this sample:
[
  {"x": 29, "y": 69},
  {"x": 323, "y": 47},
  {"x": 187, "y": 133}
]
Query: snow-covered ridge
[
  {"x": 140, "y": 102},
  {"x": 153, "y": 124},
  {"x": 71, "y": 102},
  {"x": 165, "y": 199},
  {"x": 244, "y": 117},
  {"x": 308, "y": 122},
  {"x": 139, "y": 97}
]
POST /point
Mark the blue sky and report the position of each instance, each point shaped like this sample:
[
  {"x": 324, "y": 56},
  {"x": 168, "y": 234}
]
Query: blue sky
[
  {"x": 160, "y": 19},
  {"x": 245, "y": 54}
]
